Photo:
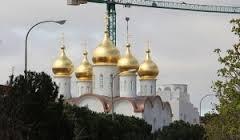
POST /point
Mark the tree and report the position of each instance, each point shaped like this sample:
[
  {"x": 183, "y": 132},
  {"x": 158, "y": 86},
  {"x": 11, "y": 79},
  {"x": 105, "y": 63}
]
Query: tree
[
  {"x": 180, "y": 130},
  {"x": 207, "y": 117},
  {"x": 90, "y": 125},
  {"x": 226, "y": 124},
  {"x": 30, "y": 111}
]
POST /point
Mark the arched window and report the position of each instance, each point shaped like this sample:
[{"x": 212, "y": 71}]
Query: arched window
[
  {"x": 101, "y": 81},
  {"x": 131, "y": 84},
  {"x": 112, "y": 80},
  {"x": 151, "y": 89},
  {"x": 168, "y": 89},
  {"x": 125, "y": 85},
  {"x": 121, "y": 86}
]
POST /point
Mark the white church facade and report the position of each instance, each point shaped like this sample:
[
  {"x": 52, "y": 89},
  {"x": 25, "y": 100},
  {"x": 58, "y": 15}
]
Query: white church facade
[
  {"x": 179, "y": 99},
  {"x": 110, "y": 84}
]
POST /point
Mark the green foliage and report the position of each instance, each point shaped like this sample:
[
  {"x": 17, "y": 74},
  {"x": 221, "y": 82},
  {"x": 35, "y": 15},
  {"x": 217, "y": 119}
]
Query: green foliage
[
  {"x": 32, "y": 112},
  {"x": 179, "y": 130},
  {"x": 207, "y": 117},
  {"x": 226, "y": 124},
  {"x": 92, "y": 126}
]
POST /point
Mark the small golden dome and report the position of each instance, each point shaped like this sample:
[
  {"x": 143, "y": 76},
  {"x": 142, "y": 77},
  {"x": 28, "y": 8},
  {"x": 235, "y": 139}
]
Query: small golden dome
[
  {"x": 148, "y": 69},
  {"x": 128, "y": 61},
  {"x": 106, "y": 52},
  {"x": 63, "y": 65},
  {"x": 84, "y": 70}
]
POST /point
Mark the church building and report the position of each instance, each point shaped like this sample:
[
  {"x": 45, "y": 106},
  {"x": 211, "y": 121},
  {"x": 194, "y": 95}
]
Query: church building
[{"x": 109, "y": 83}]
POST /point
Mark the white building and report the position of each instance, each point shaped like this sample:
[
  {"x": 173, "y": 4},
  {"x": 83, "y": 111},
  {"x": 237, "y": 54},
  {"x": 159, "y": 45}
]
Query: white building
[
  {"x": 113, "y": 75},
  {"x": 179, "y": 99}
]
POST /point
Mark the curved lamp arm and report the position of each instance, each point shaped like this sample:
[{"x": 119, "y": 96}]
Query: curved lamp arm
[
  {"x": 200, "y": 106},
  {"x": 61, "y": 22}
]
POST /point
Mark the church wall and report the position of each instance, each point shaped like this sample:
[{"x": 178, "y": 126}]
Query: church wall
[
  {"x": 149, "y": 115},
  {"x": 166, "y": 114},
  {"x": 158, "y": 114},
  {"x": 177, "y": 96},
  {"x": 92, "y": 103},
  {"x": 147, "y": 88},
  {"x": 128, "y": 86},
  {"x": 188, "y": 113},
  {"x": 125, "y": 108},
  {"x": 84, "y": 87},
  {"x": 196, "y": 117},
  {"x": 175, "y": 109},
  {"x": 102, "y": 79},
  {"x": 64, "y": 84}
]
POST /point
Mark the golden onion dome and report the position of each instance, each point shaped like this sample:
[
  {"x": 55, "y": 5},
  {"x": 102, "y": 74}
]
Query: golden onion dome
[
  {"x": 106, "y": 52},
  {"x": 84, "y": 70},
  {"x": 148, "y": 69},
  {"x": 128, "y": 61},
  {"x": 63, "y": 65}
]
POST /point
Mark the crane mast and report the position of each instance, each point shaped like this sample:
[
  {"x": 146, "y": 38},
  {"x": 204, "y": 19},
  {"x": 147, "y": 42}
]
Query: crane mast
[
  {"x": 111, "y": 8},
  {"x": 111, "y": 11}
]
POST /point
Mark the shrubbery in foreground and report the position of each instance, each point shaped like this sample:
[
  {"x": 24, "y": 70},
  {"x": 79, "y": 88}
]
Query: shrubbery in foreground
[{"x": 37, "y": 114}]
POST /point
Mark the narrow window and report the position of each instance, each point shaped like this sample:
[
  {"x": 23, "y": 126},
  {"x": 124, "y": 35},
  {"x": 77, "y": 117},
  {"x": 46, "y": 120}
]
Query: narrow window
[
  {"x": 151, "y": 89},
  {"x": 82, "y": 88},
  {"x": 131, "y": 85},
  {"x": 111, "y": 80},
  {"x": 101, "y": 81},
  {"x": 121, "y": 85},
  {"x": 88, "y": 89},
  {"x": 145, "y": 88},
  {"x": 125, "y": 85}
]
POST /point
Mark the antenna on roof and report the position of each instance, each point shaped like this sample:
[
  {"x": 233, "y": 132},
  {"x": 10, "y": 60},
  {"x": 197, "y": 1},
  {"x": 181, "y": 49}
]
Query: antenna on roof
[{"x": 127, "y": 19}]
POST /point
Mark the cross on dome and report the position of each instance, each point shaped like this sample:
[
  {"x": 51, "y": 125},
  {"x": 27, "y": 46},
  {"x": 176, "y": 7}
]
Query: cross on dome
[
  {"x": 106, "y": 17},
  {"x": 62, "y": 41}
]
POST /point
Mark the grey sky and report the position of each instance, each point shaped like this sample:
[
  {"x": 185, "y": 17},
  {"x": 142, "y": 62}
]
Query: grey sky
[{"x": 182, "y": 42}]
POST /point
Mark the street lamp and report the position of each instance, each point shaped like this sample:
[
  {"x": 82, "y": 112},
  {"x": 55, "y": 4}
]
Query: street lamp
[
  {"x": 113, "y": 77},
  {"x": 61, "y": 22},
  {"x": 200, "y": 106}
]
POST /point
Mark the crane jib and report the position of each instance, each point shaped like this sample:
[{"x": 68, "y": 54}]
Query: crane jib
[
  {"x": 154, "y": 4},
  {"x": 179, "y": 6},
  {"x": 174, "y": 5}
]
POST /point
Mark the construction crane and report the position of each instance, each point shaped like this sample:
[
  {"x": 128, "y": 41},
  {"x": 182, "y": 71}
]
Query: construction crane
[{"x": 111, "y": 9}]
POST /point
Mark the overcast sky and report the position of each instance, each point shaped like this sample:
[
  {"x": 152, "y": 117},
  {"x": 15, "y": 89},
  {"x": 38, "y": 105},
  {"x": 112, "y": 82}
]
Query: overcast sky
[{"x": 182, "y": 42}]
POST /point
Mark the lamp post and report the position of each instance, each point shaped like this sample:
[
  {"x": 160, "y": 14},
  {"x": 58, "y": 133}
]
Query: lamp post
[
  {"x": 113, "y": 77},
  {"x": 61, "y": 22},
  {"x": 200, "y": 106}
]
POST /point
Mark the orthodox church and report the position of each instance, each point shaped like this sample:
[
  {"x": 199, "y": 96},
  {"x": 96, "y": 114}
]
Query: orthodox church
[{"x": 109, "y": 83}]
